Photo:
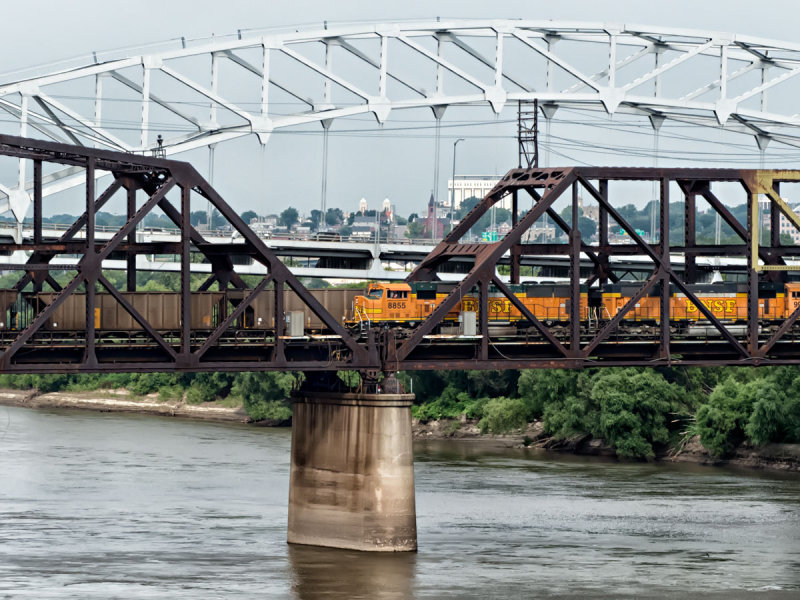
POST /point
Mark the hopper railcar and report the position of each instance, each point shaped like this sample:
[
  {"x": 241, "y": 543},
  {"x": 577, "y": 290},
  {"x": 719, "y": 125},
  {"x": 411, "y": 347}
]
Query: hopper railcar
[{"x": 162, "y": 310}]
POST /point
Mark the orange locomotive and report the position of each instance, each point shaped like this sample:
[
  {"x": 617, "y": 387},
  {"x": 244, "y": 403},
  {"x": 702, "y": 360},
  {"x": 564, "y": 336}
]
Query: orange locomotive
[{"x": 406, "y": 305}]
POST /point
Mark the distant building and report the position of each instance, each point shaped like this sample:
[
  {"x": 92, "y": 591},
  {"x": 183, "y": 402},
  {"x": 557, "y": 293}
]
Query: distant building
[
  {"x": 361, "y": 221},
  {"x": 468, "y": 186},
  {"x": 787, "y": 227},
  {"x": 362, "y": 206},
  {"x": 591, "y": 211},
  {"x": 362, "y": 231},
  {"x": 434, "y": 225}
]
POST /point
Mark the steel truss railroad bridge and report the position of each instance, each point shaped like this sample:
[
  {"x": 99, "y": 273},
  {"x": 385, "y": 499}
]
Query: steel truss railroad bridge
[{"x": 173, "y": 186}]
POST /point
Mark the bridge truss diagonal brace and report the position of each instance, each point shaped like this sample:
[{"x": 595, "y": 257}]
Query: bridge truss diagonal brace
[
  {"x": 600, "y": 262},
  {"x": 703, "y": 188},
  {"x": 663, "y": 265},
  {"x": 39, "y": 321},
  {"x": 525, "y": 311},
  {"x": 280, "y": 272},
  {"x": 90, "y": 271},
  {"x": 486, "y": 262},
  {"x": 43, "y": 258},
  {"x": 137, "y": 316},
  {"x": 767, "y": 183},
  {"x": 222, "y": 265},
  {"x": 451, "y": 245},
  {"x": 235, "y": 314}
]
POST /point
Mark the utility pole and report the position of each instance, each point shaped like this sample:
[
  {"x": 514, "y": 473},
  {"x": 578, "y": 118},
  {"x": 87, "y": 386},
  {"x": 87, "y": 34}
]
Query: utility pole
[
  {"x": 453, "y": 195},
  {"x": 323, "y": 208}
]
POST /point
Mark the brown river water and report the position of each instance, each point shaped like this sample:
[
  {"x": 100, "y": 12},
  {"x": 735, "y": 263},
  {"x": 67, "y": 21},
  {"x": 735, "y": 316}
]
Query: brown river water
[{"x": 97, "y": 505}]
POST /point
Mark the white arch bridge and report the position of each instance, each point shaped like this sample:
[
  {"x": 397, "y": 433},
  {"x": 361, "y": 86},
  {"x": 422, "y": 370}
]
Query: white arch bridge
[{"x": 202, "y": 93}]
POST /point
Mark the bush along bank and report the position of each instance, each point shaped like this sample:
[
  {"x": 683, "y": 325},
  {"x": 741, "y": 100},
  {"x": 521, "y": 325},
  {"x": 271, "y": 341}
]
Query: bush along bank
[
  {"x": 263, "y": 396},
  {"x": 638, "y": 413}
]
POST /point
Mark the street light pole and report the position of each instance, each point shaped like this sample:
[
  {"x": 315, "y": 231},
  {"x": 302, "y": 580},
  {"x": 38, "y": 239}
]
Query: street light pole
[{"x": 453, "y": 195}]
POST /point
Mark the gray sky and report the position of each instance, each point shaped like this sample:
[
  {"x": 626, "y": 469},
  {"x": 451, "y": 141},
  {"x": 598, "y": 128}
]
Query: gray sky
[{"x": 400, "y": 167}]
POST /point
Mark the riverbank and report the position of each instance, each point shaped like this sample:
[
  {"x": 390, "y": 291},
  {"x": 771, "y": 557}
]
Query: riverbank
[
  {"x": 780, "y": 457},
  {"x": 123, "y": 401}
]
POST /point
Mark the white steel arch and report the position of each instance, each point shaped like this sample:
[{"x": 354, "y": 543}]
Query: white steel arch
[{"x": 274, "y": 80}]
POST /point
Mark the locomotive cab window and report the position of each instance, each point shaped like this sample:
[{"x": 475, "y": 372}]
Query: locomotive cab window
[{"x": 375, "y": 294}]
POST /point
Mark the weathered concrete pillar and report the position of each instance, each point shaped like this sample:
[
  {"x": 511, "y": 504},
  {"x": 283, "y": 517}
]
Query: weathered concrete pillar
[{"x": 352, "y": 472}]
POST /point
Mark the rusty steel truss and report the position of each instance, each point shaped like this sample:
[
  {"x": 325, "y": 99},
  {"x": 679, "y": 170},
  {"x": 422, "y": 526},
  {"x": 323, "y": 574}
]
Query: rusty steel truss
[
  {"x": 601, "y": 344},
  {"x": 148, "y": 182}
]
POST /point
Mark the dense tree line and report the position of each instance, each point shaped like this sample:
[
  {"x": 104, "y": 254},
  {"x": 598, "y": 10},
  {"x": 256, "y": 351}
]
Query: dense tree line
[{"x": 637, "y": 411}]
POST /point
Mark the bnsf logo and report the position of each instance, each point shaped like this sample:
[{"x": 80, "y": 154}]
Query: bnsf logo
[{"x": 723, "y": 306}]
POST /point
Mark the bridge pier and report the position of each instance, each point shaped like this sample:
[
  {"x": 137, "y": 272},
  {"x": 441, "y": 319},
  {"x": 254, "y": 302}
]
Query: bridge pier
[{"x": 352, "y": 471}]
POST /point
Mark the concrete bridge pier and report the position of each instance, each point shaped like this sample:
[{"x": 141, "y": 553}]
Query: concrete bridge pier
[{"x": 352, "y": 471}]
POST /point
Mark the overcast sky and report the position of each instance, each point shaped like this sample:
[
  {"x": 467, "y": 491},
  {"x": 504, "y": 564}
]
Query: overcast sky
[{"x": 39, "y": 32}]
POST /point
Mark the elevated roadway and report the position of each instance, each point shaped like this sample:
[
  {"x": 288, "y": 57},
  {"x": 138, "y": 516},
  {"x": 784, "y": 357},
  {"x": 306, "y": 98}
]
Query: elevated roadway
[{"x": 348, "y": 258}]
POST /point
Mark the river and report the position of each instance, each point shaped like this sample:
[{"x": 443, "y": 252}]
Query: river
[{"x": 96, "y": 505}]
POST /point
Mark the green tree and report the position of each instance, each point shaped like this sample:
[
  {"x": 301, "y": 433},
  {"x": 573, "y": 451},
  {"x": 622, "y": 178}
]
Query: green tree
[
  {"x": 587, "y": 227},
  {"x": 334, "y": 216},
  {"x": 316, "y": 218},
  {"x": 721, "y": 423},
  {"x": 265, "y": 395},
  {"x": 566, "y": 417},
  {"x": 492, "y": 383},
  {"x": 289, "y": 217},
  {"x": 540, "y": 388},
  {"x": 415, "y": 229},
  {"x": 207, "y": 387},
  {"x": 249, "y": 215},
  {"x": 768, "y": 419},
  {"x": 776, "y": 408},
  {"x": 633, "y": 410},
  {"x": 197, "y": 217},
  {"x": 501, "y": 415}
]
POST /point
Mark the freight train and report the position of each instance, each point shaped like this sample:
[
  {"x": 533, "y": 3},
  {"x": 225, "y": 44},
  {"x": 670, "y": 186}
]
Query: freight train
[{"x": 405, "y": 305}]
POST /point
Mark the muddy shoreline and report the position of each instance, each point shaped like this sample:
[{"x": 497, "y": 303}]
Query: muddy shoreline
[
  {"x": 121, "y": 401},
  {"x": 778, "y": 457}
]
